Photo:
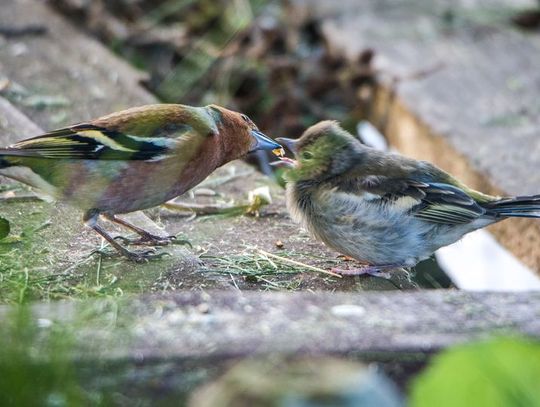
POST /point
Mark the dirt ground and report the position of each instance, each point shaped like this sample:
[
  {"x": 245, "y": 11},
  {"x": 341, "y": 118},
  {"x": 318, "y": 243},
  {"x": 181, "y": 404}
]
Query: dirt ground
[{"x": 228, "y": 247}]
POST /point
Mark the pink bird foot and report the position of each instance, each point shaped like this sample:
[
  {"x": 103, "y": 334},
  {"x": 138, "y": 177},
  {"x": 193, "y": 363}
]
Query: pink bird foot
[{"x": 374, "y": 271}]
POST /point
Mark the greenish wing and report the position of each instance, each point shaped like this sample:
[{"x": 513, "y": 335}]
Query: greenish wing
[
  {"x": 445, "y": 203},
  {"x": 431, "y": 201},
  {"x": 90, "y": 142}
]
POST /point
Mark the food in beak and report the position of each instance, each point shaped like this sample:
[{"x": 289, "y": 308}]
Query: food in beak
[{"x": 280, "y": 152}]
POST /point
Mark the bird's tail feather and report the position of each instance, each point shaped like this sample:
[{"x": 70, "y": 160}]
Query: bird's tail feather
[
  {"x": 519, "y": 207},
  {"x": 9, "y": 157}
]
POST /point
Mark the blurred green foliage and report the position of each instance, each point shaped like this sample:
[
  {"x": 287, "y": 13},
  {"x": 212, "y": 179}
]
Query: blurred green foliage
[
  {"x": 266, "y": 59},
  {"x": 501, "y": 372},
  {"x": 37, "y": 377},
  {"x": 4, "y": 228}
]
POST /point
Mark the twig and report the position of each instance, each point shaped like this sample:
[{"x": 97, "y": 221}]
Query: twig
[
  {"x": 297, "y": 263},
  {"x": 204, "y": 209},
  {"x": 234, "y": 282},
  {"x": 100, "y": 261}
]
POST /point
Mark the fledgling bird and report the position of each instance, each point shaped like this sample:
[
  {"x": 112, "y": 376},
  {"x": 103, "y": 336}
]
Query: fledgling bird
[
  {"x": 381, "y": 208},
  {"x": 131, "y": 160}
]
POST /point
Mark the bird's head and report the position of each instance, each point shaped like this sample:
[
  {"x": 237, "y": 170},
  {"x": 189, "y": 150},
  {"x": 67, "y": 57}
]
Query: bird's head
[
  {"x": 324, "y": 150},
  {"x": 238, "y": 135}
]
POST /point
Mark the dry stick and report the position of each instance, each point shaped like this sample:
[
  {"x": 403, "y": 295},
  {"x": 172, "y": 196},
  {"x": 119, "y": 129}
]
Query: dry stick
[
  {"x": 203, "y": 209},
  {"x": 297, "y": 263}
]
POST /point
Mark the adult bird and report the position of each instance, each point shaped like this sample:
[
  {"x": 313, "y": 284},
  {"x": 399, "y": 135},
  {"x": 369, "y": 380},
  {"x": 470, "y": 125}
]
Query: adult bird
[
  {"x": 381, "y": 208},
  {"x": 132, "y": 159}
]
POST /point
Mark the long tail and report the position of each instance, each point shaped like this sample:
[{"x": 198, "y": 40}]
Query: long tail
[
  {"x": 519, "y": 206},
  {"x": 10, "y": 157}
]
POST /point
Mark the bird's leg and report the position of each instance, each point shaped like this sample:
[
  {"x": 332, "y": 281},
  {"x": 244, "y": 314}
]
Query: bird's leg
[
  {"x": 90, "y": 219},
  {"x": 146, "y": 238},
  {"x": 367, "y": 269}
]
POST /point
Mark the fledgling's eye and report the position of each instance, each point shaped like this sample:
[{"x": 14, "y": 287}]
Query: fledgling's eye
[
  {"x": 246, "y": 119},
  {"x": 306, "y": 155}
]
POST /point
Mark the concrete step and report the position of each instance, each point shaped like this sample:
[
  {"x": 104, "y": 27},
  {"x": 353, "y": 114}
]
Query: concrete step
[{"x": 163, "y": 346}]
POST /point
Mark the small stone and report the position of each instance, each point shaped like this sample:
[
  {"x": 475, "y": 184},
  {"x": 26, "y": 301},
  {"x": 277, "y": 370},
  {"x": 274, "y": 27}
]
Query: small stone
[
  {"x": 348, "y": 310},
  {"x": 203, "y": 308},
  {"x": 19, "y": 49},
  {"x": 44, "y": 323}
]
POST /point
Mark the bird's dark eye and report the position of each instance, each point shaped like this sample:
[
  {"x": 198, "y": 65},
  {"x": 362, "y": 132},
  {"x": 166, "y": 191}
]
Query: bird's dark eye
[
  {"x": 306, "y": 155},
  {"x": 246, "y": 119}
]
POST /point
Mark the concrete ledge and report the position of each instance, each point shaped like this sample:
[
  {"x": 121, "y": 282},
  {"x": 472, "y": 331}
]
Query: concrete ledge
[{"x": 192, "y": 325}]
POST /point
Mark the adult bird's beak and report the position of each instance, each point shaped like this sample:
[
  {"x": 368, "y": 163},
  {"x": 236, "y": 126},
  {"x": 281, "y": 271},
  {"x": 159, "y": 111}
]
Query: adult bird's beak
[
  {"x": 290, "y": 143},
  {"x": 262, "y": 142}
]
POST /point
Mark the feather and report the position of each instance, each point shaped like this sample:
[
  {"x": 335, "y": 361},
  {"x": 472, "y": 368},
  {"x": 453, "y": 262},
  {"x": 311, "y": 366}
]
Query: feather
[
  {"x": 91, "y": 142},
  {"x": 519, "y": 206},
  {"x": 448, "y": 213},
  {"x": 435, "y": 202}
]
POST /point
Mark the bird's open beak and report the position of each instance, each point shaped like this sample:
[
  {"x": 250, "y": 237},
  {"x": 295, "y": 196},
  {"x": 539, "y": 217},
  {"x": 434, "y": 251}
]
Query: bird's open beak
[
  {"x": 262, "y": 142},
  {"x": 286, "y": 162},
  {"x": 290, "y": 143}
]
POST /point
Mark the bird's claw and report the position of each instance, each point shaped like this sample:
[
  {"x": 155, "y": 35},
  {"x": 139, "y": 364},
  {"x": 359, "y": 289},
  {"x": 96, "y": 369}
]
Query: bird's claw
[
  {"x": 101, "y": 252},
  {"x": 124, "y": 239},
  {"x": 183, "y": 242},
  {"x": 145, "y": 256},
  {"x": 137, "y": 256},
  {"x": 152, "y": 240}
]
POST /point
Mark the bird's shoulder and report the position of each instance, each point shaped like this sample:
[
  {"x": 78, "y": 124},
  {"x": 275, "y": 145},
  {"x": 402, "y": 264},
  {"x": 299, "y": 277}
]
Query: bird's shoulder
[
  {"x": 159, "y": 120},
  {"x": 385, "y": 173}
]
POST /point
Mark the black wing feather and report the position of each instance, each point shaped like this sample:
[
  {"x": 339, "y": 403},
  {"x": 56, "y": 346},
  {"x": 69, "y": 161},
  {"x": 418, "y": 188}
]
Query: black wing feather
[
  {"x": 89, "y": 142},
  {"x": 436, "y": 202}
]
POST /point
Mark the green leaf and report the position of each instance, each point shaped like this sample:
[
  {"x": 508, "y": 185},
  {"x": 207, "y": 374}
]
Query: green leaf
[
  {"x": 501, "y": 372},
  {"x": 4, "y": 228}
]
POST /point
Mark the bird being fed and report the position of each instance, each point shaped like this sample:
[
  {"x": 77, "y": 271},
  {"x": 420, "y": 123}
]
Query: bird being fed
[
  {"x": 131, "y": 160},
  {"x": 381, "y": 208}
]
